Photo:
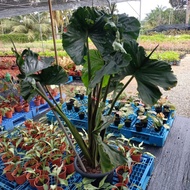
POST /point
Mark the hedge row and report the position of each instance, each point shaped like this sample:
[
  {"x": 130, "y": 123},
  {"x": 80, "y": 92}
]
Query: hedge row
[{"x": 20, "y": 38}]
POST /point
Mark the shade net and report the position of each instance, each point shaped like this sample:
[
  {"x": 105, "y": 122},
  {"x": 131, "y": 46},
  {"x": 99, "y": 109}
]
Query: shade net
[
  {"x": 9, "y": 8},
  {"x": 163, "y": 28}
]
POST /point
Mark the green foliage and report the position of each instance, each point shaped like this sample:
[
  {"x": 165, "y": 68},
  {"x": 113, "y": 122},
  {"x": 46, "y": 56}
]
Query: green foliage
[
  {"x": 48, "y": 53},
  {"x": 164, "y": 38},
  {"x": 86, "y": 184},
  {"x": 169, "y": 56},
  {"x": 119, "y": 55},
  {"x": 19, "y": 37},
  {"x": 162, "y": 16}
]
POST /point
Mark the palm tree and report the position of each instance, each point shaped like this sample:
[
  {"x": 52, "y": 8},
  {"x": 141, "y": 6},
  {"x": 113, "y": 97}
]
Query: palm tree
[
  {"x": 58, "y": 21},
  {"x": 32, "y": 25},
  {"x": 61, "y": 20},
  {"x": 158, "y": 16}
]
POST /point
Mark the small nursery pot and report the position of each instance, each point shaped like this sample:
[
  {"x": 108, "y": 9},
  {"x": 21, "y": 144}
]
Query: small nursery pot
[
  {"x": 76, "y": 109},
  {"x": 138, "y": 127},
  {"x": 158, "y": 129},
  {"x": 81, "y": 96},
  {"x": 144, "y": 123},
  {"x": 128, "y": 123},
  {"x": 135, "y": 157},
  {"x": 117, "y": 121},
  {"x": 120, "y": 170},
  {"x": 81, "y": 115},
  {"x": 158, "y": 109},
  {"x": 69, "y": 105},
  {"x": 38, "y": 184}
]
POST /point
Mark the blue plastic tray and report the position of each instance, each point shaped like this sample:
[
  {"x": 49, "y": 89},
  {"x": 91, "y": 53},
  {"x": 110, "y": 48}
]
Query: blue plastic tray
[
  {"x": 36, "y": 110},
  {"x": 140, "y": 176},
  {"x": 70, "y": 79},
  {"x": 17, "y": 119},
  {"x": 72, "y": 115},
  {"x": 43, "y": 107},
  {"x": 148, "y": 134}
]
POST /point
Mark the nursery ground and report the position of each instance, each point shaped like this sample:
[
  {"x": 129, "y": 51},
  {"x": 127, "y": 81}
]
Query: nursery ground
[{"x": 172, "y": 166}]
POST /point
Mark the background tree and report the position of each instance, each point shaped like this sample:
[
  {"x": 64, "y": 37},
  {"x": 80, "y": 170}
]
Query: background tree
[
  {"x": 158, "y": 16},
  {"x": 58, "y": 22},
  {"x": 182, "y": 4},
  {"x": 35, "y": 25},
  {"x": 163, "y": 16},
  {"x": 178, "y": 3}
]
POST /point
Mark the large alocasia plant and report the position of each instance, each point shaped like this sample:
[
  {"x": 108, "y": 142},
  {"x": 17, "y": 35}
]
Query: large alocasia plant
[{"x": 117, "y": 55}]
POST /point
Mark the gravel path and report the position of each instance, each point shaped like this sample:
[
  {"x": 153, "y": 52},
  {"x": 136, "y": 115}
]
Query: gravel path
[{"x": 179, "y": 95}]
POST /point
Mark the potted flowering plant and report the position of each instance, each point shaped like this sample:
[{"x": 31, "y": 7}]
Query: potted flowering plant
[{"x": 117, "y": 55}]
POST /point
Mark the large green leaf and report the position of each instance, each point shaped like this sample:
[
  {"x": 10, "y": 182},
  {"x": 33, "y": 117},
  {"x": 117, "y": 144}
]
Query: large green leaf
[
  {"x": 84, "y": 23},
  {"x": 149, "y": 73},
  {"x": 29, "y": 63},
  {"x": 53, "y": 75},
  {"x": 101, "y": 28},
  {"x": 96, "y": 64},
  {"x": 115, "y": 64},
  {"x": 115, "y": 87},
  {"x": 128, "y": 26},
  {"x": 28, "y": 88}
]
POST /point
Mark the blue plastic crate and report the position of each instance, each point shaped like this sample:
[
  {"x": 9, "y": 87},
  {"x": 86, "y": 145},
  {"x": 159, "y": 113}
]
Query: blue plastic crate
[
  {"x": 80, "y": 123},
  {"x": 36, "y": 110},
  {"x": 42, "y": 107},
  {"x": 17, "y": 119},
  {"x": 70, "y": 80},
  {"x": 148, "y": 134},
  {"x": 140, "y": 176},
  {"x": 72, "y": 115},
  {"x": 83, "y": 102},
  {"x": 56, "y": 98},
  {"x": 114, "y": 129}
]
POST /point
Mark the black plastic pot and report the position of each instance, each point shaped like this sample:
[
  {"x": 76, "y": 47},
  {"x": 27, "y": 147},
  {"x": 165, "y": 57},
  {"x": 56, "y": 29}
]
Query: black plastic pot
[
  {"x": 117, "y": 121},
  {"x": 158, "y": 129},
  {"x": 158, "y": 109},
  {"x": 81, "y": 96},
  {"x": 117, "y": 108},
  {"x": 128, "y": 123},
  {"x": 138, "y": 127},
  {"x": 69, "y": 105},
  {"x": 72, "y": 101},
  {"x": 96, "y": 176},
  {"x": 144, "y": 123},
  {"x": 77, "y": 95},
  {"x": 81, "y": 115},
  {"x": 76, "y": 109},
  {"x": 166, "y": 114}
]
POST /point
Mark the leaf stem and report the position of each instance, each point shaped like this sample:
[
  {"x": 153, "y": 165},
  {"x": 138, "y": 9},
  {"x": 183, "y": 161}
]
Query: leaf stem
[{"x": 116, "y": 98}]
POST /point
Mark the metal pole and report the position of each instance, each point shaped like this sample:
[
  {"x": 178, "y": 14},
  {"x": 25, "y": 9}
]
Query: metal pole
[
  {"x": 187, "y": 12},
  {"x": 140, "y": 9}
]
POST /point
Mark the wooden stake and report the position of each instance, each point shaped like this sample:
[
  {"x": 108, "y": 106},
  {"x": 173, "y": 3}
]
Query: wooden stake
[{"x": 54, "y": 44}]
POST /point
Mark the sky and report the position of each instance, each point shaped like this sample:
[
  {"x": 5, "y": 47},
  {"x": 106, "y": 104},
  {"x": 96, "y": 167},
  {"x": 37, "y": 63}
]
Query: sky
[{"x": 132, "y": 8}]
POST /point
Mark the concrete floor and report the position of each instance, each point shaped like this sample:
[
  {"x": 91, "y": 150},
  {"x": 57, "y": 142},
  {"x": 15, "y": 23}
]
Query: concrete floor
[{"x": 172, "y": 162}]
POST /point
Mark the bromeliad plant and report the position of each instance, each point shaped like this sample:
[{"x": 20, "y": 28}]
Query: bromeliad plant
[{"x": 116, "y": 56}]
